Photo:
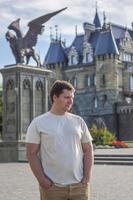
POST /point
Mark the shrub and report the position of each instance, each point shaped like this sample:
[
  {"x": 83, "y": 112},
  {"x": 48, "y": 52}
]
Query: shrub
[{"x": 102, "y": 136}]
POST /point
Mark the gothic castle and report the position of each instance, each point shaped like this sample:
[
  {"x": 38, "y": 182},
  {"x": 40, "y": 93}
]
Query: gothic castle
[{"x": 99, "y": 63}]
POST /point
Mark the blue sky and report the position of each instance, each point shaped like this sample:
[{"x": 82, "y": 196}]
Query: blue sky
[{"x": 78, "y": 12}]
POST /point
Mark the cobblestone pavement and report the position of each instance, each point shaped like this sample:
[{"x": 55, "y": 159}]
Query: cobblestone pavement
[{"x": 108, "y": 182}]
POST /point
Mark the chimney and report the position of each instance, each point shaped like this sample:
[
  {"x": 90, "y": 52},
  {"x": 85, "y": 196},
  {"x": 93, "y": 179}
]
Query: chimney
[{"x": 88, "y": 28}]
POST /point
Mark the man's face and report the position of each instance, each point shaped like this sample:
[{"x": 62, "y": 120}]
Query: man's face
[{"x": 64, "y": 101}]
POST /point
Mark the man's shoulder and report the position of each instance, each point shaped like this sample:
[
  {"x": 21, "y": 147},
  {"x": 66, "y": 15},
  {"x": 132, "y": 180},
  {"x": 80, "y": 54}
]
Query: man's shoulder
[
  {"x": 74, "y": 116},
  {"x": 41, "y": 117}
]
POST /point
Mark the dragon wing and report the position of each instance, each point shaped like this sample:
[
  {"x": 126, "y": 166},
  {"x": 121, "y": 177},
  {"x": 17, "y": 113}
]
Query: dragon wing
[
  {"x": 35, "y": 28},
  {"x": 15, "y": 26}
]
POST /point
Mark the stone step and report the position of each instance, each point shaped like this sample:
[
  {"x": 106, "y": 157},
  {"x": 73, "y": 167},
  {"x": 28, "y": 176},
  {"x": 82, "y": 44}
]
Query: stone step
[
  {"x": 112, "y": 162},
  {"x": 113, "y": 159},
  {"x": 114, "y": 155}
]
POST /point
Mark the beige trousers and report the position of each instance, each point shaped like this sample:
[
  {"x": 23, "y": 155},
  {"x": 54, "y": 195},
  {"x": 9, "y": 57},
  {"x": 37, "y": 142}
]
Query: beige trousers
[{"x": 70, "y": 192}]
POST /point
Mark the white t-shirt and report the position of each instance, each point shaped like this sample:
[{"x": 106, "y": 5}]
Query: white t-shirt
[{"x": 60, "y": 138}]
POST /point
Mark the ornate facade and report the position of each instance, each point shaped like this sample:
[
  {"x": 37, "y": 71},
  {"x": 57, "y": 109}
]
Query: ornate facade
[{"x": 99, "y": 63}]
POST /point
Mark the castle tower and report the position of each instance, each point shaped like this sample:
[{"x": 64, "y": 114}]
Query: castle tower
[
  {"x": 107, "y": 79},
  {"x": 56, "y": 57}
]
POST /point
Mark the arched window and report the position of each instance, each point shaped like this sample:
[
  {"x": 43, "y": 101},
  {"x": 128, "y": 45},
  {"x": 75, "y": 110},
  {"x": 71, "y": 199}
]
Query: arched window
[
  {"x": 26, "y": 103},
  {"x": 39, "y": 98},
  {"x": 39, "y": 85},
  {"x": 26, "y": 84},
  {"x": 10, "y": 84}
]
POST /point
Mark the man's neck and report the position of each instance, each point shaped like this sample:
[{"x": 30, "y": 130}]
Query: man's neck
[{"x": 57, "y": 111}]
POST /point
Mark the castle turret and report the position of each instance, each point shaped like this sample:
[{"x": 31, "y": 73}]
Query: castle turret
[
  {"x": 56, "y": 57},
  {"x": 96, "y": 20}
]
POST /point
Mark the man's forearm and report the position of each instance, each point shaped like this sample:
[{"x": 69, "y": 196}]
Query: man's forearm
[
  {"x": 37, "y": 169},
  {"x": 88, "y": 161}
]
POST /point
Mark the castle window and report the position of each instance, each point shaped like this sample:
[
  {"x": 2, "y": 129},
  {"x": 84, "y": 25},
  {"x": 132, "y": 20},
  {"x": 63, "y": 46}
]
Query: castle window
[
  {"x": 93, "y": 80},
  {"x": 95, "y": 102},
  {"x": 74, "y": 82},
  {"x": 94, "y": 76},
  {"x": 87, "y": 53},
  {"x": 87, "y": 57},
  {"x": 103, "y": 79},
  {"x": 88, "y": 81},
  {"x": 104, "y": 100},
  {"x": 73, "y": 56},
  {"x": 131, "y": 82},
  {"x": 127, "y": 57},
  {"x": 72, "y": 60}
]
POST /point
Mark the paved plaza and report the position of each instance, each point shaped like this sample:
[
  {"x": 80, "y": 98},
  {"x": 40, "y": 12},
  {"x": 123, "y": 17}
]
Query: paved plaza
[{"x": 109, "y": 182}]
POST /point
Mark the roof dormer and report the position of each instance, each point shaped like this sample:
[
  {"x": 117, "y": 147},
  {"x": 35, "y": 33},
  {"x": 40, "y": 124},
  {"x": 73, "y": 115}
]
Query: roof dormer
[
  {"x": 73, "y": 57},
  {"x": 87, "y": 53}
]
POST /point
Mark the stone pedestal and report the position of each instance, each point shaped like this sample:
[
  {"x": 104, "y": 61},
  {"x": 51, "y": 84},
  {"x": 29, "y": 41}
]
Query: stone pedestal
[{"x": 25, "y": 96}]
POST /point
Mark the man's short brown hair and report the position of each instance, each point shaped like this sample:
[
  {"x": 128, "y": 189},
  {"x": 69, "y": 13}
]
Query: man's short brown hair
[{"x": 58, "y": 87}]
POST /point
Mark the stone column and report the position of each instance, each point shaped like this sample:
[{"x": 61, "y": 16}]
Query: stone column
[{"x": 19, "y": 85}]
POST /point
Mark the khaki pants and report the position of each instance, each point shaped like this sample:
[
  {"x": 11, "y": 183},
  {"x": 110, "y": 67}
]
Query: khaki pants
[{"x": 70, "y": 192}]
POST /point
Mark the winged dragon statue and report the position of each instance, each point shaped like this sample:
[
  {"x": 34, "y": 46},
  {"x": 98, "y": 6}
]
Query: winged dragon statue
[{"x": 23, "y": 46}]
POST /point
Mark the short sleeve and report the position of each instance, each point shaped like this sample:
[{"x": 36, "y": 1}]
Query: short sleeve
[
  {"x": 86, "y": 136},
  {"x": 33, "y": 135}
]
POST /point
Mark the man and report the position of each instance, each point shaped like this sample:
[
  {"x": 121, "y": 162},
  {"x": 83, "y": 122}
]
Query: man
[{"x": 59, "y": 149}]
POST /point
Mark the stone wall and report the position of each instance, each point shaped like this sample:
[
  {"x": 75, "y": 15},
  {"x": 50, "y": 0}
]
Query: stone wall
[
  {"x": 12, "y": 151},
  {"x": 125, "y": 120}
]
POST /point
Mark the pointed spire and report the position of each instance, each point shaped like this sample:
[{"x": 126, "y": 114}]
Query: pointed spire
[
  {"x": 51, "y": 35},
  {"x": 104, "y": 17},
  {"x": 96, "y": 6},
  {"x": 64, "y": 43},
  {"x": 110, "y": 26},
  {"x": 76, "y": 30},
  {"x": 60, "y": 36},
  {"x": 104, "y": 21},
  {"x": 96, "y": 20},
  {"x": 56, "y": 32}
]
